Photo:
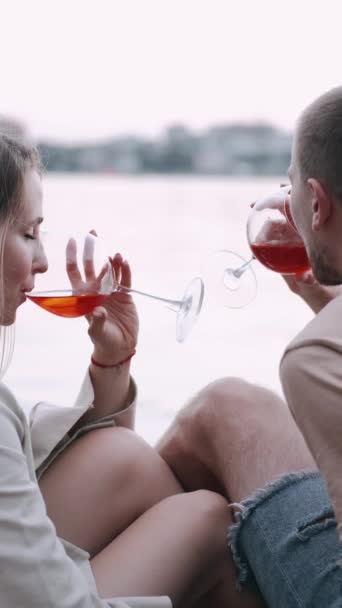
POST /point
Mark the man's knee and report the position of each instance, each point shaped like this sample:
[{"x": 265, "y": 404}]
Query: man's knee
[
  {"x": 224, "y": 396},
  {"x": 228, "y": 392},
  {"x": 232, "y": 392},
  {"x": 231, "y": 404}
]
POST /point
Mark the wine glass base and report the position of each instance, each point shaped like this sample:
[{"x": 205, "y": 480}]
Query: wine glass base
[
  {"x": 189, "y": 309},
  {"x": 230, "y": 279}
]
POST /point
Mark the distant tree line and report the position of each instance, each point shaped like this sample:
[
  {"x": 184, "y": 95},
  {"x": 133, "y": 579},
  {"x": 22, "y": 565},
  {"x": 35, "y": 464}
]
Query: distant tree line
[
  {"x": 236, "y": 149},
  {"x": 231, "y": 149}
]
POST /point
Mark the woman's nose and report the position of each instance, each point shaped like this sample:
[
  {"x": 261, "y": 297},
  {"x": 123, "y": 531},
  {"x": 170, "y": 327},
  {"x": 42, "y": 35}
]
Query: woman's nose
[{"x": 40, "y": 262}]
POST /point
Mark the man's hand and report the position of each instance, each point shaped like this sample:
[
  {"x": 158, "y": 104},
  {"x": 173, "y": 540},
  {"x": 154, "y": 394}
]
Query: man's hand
[{"x": 311, "y": 291}]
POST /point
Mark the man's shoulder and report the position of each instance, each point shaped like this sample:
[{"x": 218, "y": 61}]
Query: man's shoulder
[{"x": 325, "y": 329}]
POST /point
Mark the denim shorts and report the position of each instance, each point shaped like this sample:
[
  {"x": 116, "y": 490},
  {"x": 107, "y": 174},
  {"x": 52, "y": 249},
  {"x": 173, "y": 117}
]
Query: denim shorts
[{"x": 284, "y": 541}]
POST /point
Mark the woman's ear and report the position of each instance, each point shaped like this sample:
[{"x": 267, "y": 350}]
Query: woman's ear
[{"x": 321, "y": 204}]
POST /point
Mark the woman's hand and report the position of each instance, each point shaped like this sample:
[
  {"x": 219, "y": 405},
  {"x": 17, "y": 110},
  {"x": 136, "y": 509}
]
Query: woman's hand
[
  {"x": 113, "y": 326},
  {"x": 311, "y": 291}
]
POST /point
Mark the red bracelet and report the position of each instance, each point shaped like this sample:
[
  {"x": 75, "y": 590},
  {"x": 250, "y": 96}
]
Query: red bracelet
[{"x": 103, "y": 365}]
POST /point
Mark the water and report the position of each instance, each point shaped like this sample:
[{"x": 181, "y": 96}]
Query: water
[{"x": 166, "y": 227}]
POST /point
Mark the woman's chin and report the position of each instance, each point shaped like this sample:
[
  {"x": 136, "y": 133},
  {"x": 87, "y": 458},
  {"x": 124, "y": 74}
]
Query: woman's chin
[
  {"x": 8, "y": 318},
  {"x": 6, "y": 323}
]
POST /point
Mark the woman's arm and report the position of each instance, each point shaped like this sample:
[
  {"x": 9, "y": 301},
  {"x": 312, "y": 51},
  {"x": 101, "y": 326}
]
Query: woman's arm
[
  {"x": 35, "y": 569},
  {"x": 114, "y": 394},
  {"x": 113, "y": 329}
]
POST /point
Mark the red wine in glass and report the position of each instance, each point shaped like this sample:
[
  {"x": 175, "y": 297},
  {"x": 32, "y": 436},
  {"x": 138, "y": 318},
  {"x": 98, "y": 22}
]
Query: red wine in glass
[
  {"x": 66, "y": 304},
  {"x": 273, "y": 236},
  {"x": 287, "y": 258}
]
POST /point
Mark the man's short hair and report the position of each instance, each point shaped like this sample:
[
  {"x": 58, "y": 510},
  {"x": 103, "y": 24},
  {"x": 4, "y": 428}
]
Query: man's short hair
[{"x": 319, "y": 141}]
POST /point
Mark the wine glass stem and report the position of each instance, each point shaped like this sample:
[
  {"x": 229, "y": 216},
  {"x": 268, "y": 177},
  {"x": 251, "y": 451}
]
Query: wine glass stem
[
  {"x": 238, "y": 272},
  {"x": 173, "y": 304}
]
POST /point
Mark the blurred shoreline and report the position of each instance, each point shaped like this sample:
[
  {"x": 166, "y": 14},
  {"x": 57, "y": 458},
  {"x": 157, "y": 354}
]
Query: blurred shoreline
[
  {"x": 227, "y": 150},
  {"x": 236, "y": 149}
]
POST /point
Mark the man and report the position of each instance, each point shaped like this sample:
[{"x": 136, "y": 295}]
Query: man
[{"x": 282, "y": 473}]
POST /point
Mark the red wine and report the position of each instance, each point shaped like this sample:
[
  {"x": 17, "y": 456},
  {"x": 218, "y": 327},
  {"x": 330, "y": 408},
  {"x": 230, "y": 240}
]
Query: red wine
[
  {"x": 285, "y": 258},
  {"x": 68, "y": 305}
]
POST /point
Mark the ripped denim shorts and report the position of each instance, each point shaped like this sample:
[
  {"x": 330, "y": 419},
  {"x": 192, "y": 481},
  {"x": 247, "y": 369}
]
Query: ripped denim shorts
[{"x": 284, "y": 541}]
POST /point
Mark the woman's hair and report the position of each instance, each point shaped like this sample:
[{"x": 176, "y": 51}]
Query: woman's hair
[
  {"x": 319, "y": 141},
  {"x": 16, "y": 156}
]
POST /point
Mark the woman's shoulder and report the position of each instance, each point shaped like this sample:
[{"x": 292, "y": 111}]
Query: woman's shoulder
[{"x": 11, "y": 410}]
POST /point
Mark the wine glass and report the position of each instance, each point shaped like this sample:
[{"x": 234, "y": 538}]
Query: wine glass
[
  {"x": 274, "y": 241},
  {"x": 75, "y": 299}
]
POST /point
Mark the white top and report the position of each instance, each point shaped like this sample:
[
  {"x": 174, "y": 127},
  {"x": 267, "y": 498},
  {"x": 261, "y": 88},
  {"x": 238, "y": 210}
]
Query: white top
[{"x": 37, "y": 569}]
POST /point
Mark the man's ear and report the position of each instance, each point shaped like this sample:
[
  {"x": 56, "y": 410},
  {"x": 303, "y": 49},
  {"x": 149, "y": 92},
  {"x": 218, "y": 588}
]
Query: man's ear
[{"x": 321, "y": 204}]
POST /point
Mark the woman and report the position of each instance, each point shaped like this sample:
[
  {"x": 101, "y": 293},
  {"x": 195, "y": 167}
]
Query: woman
[{"x": 91, "y": 515}]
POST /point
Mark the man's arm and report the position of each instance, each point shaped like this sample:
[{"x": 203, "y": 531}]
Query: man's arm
[
  {"x": 315, "y": 295},
  {"x": 311, "y": 376}
]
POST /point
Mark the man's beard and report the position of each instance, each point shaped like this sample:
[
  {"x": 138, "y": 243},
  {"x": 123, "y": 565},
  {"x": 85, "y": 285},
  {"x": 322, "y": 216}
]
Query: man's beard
[{"x": 324, "y": 271}]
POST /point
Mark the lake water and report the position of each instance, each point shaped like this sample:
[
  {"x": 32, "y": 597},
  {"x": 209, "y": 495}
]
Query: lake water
[{"x": 166, "y": 227}]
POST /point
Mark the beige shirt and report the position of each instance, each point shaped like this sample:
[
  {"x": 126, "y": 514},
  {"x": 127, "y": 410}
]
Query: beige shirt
[
  {"x": 311, "y": 375},
  {"x": 37, "y": 569}
]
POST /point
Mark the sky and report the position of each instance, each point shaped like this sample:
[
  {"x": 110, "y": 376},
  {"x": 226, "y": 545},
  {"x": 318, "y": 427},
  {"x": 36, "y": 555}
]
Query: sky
[{"x": 88, "y": 69}]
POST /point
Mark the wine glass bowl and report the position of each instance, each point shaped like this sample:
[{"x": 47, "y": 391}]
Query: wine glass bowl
[
  {"x": 274, "y": 241},
  {"x": 75, "y": 296},
  {"x": 85, "y": 279},
  {"x": 272, "y": 235}
]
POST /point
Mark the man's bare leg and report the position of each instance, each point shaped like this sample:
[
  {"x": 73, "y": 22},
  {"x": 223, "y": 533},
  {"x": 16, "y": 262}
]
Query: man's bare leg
[{"x": 235, "y": 437}]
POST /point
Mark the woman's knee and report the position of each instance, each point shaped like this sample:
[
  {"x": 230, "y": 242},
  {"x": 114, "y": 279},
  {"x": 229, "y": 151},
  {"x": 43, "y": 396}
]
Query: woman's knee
[
  {"x": 208, "y": 516},
  {"x": 204, "y": 507},
  {"x": 209, "y": 506},
  {"x": 125, "y": 458}
]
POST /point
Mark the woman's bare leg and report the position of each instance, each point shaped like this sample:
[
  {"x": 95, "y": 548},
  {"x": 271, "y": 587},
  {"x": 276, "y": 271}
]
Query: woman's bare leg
[
  {"x": 101, "y": 483},
  {"x": 178, "y": 548},
  {"x": 106, "y": 480}
]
